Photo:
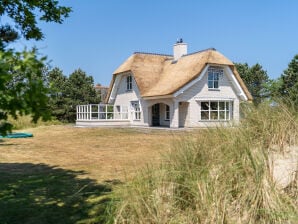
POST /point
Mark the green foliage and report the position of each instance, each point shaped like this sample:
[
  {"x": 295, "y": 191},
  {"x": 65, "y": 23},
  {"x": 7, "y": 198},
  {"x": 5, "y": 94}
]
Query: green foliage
[
  {"x": 22, "y": 90},
  {"x": 272, "y": 88},
  {"x": 288, "y": 88},
  {"x": 67, "y": 92},
  {"x": 23, "y": 13},
  {"x": 255, "y": 78}
]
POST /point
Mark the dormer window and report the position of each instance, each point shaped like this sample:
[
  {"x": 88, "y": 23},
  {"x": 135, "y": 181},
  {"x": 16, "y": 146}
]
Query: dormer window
[
  {"x": 214, "y": 73},
  {"x": 129, "y": 83}
]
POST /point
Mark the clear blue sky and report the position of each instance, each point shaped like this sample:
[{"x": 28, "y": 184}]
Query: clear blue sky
[{"x": 100, "y": 34}]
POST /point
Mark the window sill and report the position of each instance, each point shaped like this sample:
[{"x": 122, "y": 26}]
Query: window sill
[
  {"x": 167, "y": 119},
  {"x": 209, "y": 89},
  {"x": 129, "y": 90}
]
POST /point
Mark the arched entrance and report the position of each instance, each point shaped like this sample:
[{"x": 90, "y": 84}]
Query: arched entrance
[{"x": 160, "y": 115}]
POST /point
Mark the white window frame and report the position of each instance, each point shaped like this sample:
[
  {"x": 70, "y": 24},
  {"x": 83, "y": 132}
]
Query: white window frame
[
  {"x": 167, "y": 112},
  {"x": 129, "y": 82},
  {"x": 136, "y": 110},
  {"x": 214, "y": 74},
  {"x": 221, "y": 107}
]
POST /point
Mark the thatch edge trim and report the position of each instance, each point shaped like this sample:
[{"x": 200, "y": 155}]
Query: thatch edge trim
[
  {"x": 241, "y": 82},
  {"x": 112, "y": 84}
]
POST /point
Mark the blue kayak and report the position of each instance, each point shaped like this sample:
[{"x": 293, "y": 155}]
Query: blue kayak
[{"x": 17, "y": 135}]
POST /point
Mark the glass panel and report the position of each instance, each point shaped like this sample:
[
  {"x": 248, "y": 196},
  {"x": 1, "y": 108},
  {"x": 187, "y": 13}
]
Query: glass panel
[
  {"x": 221, "y": 105},
  {"x": 102, "y": 108},
  {"x": 215, "y": 84},
  {"x": 167, "y": 108},
  {"x": 204, "y": 105},
  {"x": 102, "y": 116},
  {"x": 227, "y": 106},
  {"x": 214, "y": 105},
  {"x": 110, "y": 108},
  {"x": 214, "y": 115},
  {"x": 94, "y": 108},
  {"x": 204, "y": 115},
  {"x": 167, "y": 115},
  {"x": 210, "y": 76},
  {"x": 227, "y": 115},
  {"x": 129, "y": 82},
  {"x": 210, "y": 84},
  {"x": 216, "y": 76},
  {"x": 221, "y": 115}
]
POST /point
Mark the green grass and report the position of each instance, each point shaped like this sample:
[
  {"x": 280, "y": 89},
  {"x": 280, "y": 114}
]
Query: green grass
[
  {"x": 217, "y": 176},
  {"x": 37, "y": 193}
]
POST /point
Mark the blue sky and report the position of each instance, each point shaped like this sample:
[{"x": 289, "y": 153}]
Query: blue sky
[{"x": 100, "y": 34}]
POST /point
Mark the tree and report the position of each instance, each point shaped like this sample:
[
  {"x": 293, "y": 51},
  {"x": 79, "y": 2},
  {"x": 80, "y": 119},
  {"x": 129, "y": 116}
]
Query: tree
[
  {"x": 57, "y": 83},
  {"x": 255, "y": 78},
  {"x": 23, "y": 14},
  {"x": 288, "y": 88},
  {"x": 67, "y": 92},
  {"x": 22, "y": 90},
  {"x": 80, "y": 90}
]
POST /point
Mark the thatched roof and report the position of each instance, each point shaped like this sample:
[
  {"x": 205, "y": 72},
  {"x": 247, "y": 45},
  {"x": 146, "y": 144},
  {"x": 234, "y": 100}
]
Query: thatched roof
[{"x": 159, "y": 75}]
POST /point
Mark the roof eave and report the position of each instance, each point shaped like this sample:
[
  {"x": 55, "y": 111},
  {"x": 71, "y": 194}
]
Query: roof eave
[{"x": 157, "y": 97}]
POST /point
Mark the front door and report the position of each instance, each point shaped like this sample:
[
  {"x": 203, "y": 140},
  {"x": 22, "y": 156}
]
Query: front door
[{"x": 155, "y": 115}]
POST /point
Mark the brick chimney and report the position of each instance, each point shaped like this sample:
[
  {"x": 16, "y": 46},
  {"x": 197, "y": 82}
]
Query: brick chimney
[{"x": 180, "y": 49}]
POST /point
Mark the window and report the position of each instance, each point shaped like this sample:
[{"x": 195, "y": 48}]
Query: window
[
  {"x": 129, "y": 82},
  {"x": 214, "y": 73},
  {"x": 167, "y": 113},
  {"x": 215, "y": 110},
  {"x": 136, "y": 110}
]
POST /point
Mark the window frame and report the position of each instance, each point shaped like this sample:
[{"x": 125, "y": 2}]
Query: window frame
[
  {"x": 213, "y": 76},
  {"x": 167, "y": 112},
  {"x": 215, "y": 110},
  {"x": 136, "y": 110},
  {"x": 129, "y": 83}
]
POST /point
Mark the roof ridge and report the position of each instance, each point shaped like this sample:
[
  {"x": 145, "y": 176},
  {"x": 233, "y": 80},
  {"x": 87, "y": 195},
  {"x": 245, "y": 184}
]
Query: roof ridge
[
  {"x": 200, "y": 51},
  {"x": 158, "y": 54}
]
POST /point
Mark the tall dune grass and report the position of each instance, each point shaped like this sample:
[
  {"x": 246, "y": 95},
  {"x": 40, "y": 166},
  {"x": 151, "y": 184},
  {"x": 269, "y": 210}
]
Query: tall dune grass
[
  {"x": 25, "y": 121},
  {"x": 217, "y": 175}
]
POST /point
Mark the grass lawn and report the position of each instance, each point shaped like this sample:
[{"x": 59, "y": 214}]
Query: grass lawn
[{"x": 65, "y": 174}]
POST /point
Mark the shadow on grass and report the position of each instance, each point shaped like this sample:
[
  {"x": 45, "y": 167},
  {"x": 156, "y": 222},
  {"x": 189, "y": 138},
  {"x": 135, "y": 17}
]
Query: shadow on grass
[{"x": 37, "y": 193}]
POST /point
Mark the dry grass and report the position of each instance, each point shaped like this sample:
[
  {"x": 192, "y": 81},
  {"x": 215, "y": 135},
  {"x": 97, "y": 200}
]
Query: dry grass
[
  {"x": 104, "y": 153},
  {"x": 217, "y": 176}
]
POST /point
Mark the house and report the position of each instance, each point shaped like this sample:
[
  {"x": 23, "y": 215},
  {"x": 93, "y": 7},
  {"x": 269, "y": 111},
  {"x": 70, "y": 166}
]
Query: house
[
  {"x": 101, "y": 90},
  {"x": 199, "y": 89}
]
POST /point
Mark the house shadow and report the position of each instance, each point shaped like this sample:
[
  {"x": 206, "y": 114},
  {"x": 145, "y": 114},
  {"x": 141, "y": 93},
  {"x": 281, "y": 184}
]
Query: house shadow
[{"x": 38, "y": 193}]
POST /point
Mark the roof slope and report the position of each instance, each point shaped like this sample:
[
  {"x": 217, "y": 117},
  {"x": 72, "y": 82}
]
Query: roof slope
[{"x": 159, "y": 75}]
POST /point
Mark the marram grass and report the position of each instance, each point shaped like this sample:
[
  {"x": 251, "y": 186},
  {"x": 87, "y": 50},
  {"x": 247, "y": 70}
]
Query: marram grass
[
  {"x": 217, "y": 175},
  {"x": 23, "y": 122}
]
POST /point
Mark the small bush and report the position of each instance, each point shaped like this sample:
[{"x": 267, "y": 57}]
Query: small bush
[{"x": 217, "y": 175}]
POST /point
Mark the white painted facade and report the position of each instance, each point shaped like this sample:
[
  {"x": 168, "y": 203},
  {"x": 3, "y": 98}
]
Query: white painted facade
[{"x": 185, "y": 104}]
